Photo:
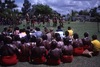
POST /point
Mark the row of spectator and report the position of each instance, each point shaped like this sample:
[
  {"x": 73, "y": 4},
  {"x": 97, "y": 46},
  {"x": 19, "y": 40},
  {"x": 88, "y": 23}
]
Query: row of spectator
[{"x": 48, "y": 46}]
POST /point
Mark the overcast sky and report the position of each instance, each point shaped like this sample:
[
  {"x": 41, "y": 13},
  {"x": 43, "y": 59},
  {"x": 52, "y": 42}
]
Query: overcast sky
[{"x": 64, "y": 6}]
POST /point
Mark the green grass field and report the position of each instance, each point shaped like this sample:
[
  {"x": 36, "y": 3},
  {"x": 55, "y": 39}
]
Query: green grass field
[{"x": 79, "y": 61}]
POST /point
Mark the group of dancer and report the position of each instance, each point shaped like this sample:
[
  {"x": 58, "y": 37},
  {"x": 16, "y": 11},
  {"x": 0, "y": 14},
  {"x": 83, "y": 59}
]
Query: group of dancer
[
  {"x": 45, "y": 20},
  {"x": 45, "y": 47}
]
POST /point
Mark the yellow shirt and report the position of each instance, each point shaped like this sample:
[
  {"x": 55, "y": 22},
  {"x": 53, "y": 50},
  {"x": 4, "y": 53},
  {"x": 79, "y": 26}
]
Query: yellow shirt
[
  {"x": 70, "y": 32},
  {"x": 96, "y": 45}
]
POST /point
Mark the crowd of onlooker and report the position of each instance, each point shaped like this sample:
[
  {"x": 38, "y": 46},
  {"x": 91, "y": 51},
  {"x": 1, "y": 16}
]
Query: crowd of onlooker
[{"x": 47, "y": 46}]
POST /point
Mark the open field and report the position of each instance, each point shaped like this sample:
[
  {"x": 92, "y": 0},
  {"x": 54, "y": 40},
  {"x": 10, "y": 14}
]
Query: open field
[{"x": 79, "y": 61}]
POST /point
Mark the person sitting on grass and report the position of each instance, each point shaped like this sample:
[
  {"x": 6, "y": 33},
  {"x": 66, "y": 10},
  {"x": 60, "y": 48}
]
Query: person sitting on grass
[
  {"x": 22, "y": 33},
  {"x": 60, "y": 42},
  {"x": 24, "y": 50},
  {"x": 16, "y": 31},
  {"x": 38, "y": 53},
  {"x": 50, "y": 33},
  {"x": 54, "y": 54},
  {"x": 70, "y": 32},
  {"x": 46, "y": 43},
  {"x": 96, "y": 45},
  {"x": 86, "y": 41},
  {"x": 60, "y": 31},
  {"x": 38, "y": 32},
  {"x": 67, "y": 36},
  {"x": 77, "y": 45},
  {"x": 8, "y": 52},
  {"x": 67, "y": 51}
]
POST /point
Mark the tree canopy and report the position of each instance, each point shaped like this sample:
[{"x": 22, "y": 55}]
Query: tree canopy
[{"x": 26, "y": 7}]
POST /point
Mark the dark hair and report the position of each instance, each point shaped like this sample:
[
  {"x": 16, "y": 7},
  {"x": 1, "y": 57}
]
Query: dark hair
[
  {"x": 94, "y": 37},
  {"x": 56, "y": 35},
  {"x": 22, "y": 30},
  {"x": 16, "y": 38},
  {"x": 86, "y": 34},
  {"x": 1, "y": 37},
  {"x": 23, "y": 40},
  {"x": 39, "y": 42},
  {"x": 66, "y": 33},
  {"x": 37, "y": 29},
  {"x": 59, "y": 27},
  {"x": 33, "y": 39},
  {"x": 75, "y": 36},
  {"x": 28, "y": 27},
  {"x": 58, "y": 38},
  {"x": 7, "y": 40},
  {"x": 44, "y": 37},
  {"x": 16, "y": 28},
  {"x": 69, "y": 28},
  {"x": 5, "y": 29},
  {"x": 66, "y": 41},
  {"x": 53, "y": 44}
]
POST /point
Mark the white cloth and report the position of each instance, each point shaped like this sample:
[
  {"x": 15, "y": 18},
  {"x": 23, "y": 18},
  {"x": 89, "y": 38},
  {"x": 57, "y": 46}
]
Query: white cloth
[
  {"x": 61, "y": 33},
  {"x": 22, "y": 35}
]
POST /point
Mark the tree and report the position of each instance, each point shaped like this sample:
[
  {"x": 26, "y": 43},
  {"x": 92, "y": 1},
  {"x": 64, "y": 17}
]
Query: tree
[
  {"x": 93, "y": 12},
  {"x": 2, "y": 6},
  {"x": 42, "y": 9},
  {"x": 6, "y": 8},
  {"x": 10, "y": 4},
  {"x": 26, "y": 7}
]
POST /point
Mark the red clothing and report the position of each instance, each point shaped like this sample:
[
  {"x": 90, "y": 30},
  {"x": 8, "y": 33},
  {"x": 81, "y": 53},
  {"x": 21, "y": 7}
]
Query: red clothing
[
  {"x": 67, "y": 59},
  {"x": 9, "y": 60},
  {"x": 78, "y": 51},
  {"x": 53, "y": 61},
  {"x": 39, "y": 60}
]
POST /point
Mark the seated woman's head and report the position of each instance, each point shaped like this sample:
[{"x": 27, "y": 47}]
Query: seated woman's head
[
  {"x": 39, "y": 42},
  {"x": 66, "y": 33},
  {"x": 75, "y": 36},
  {"x": 66, "y": 41},
  {"x": 94, "y": 37},
  {"x": 7, "y": 40},
  {"x": 53, "y": 44},
  {"x": 44, "y": 37},
  {"x": 86, "y": 34}
]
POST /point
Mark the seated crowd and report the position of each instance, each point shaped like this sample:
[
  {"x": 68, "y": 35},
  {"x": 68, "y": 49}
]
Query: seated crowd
[{"x": 48, "y": 46}]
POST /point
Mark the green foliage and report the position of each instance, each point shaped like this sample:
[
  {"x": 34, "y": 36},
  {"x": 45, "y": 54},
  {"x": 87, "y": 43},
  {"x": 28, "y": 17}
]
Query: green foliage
[
  {"x": 42, "y": 9},
  {"x": 10, "y": 4},
  {"x": 8, "y": 11},
  {"x": 26, "y": 7},
  {"x": 83, "y": 12},
  {"x": 7, "y": 6}
]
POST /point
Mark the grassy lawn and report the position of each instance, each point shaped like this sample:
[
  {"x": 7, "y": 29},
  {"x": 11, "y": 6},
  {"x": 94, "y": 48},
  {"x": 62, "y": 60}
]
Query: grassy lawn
[{"x": 79, "y": 61}]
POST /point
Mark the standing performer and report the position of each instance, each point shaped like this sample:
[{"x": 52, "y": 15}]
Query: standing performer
[
  {"x": 54, "y": 21},
  {"x": 33, "y": 20},
  {"x": 43, "y": 19},
  {"x": 27, "y": 19},
  {"x": 39, "y": 20},
  {"x": 61, "y": 21},
  {"x": 47, "y": 21}
]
